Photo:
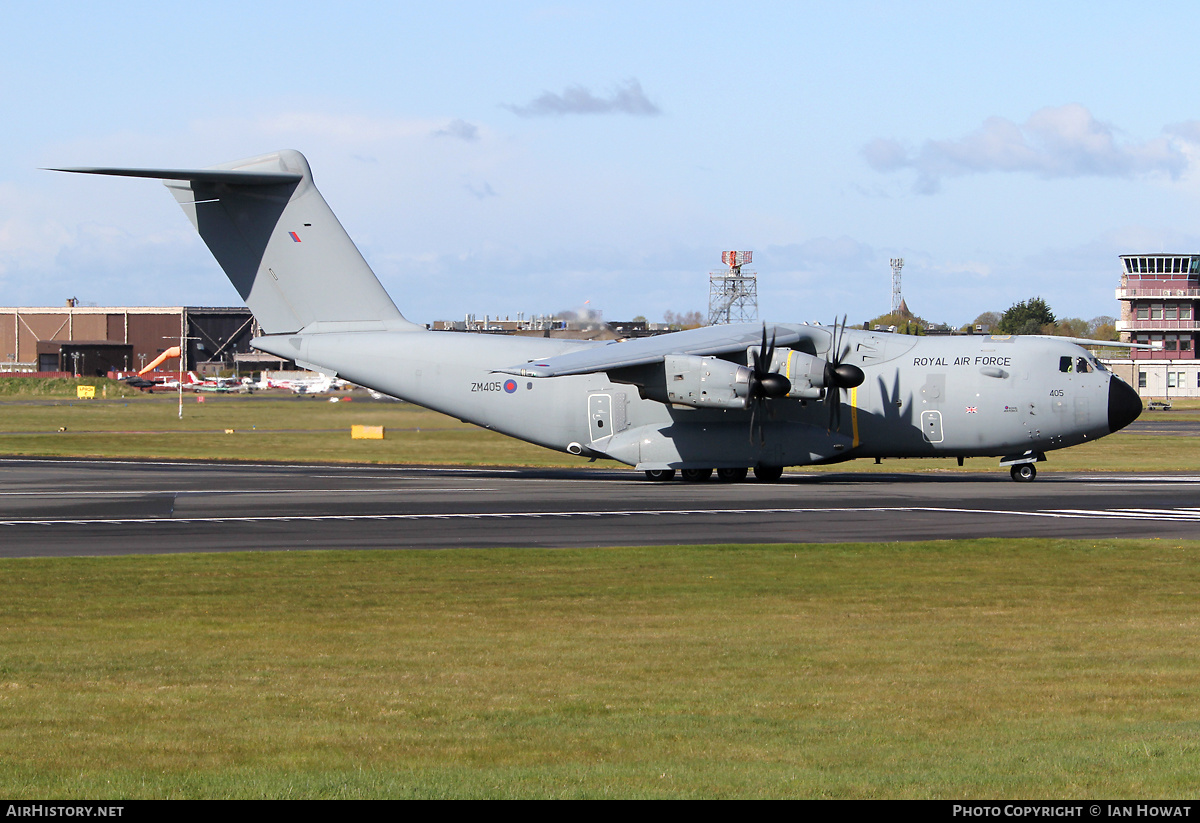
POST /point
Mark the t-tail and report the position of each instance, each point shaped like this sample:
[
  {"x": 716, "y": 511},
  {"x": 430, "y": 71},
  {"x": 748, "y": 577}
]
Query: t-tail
[{"x": 279, "y": 243}]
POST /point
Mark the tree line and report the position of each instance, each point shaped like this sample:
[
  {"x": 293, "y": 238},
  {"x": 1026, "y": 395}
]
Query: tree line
[{"x": 1032, "y": 316}]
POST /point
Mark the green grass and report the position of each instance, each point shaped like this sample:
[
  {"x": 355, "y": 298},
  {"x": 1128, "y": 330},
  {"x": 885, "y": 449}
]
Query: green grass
[
  {"x": 973, "y": 669},
  {"x": 61, "y": 387},
  {"x": 280, "y": 427}
]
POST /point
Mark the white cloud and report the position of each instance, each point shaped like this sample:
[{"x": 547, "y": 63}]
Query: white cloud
[
  {"x": 481, "y": 192},
  {"x": 626, "y": 99},
  {"x": 460, "y": 129},
  {"x": 1055, "y": 142}
]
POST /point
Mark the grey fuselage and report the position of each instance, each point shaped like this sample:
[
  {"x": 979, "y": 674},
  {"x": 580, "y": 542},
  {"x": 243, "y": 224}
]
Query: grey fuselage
[
  {"x": 921, "y": 397},
  {"x": 698, "y": 399}
]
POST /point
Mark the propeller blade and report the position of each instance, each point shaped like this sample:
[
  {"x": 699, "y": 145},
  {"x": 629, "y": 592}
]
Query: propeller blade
[
  {"x": 764, "y": 384},
  {"x": 839, "y": 376},
  {"x": 756, "y": 424},
  {"x": 758, "y": 355}
]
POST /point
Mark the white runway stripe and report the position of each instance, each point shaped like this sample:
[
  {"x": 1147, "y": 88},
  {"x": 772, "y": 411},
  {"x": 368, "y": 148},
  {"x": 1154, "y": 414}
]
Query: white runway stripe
[{"x": 1190, "y": 514}]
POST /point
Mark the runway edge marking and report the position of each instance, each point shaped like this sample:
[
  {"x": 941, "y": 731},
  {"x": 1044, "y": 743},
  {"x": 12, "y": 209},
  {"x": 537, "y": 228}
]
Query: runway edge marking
[{"x": 1182, "y": 514}]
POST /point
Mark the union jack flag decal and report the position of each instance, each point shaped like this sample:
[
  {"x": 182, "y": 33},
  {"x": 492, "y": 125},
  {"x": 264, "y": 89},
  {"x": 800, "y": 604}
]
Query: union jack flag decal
[{"x": 972, "y": 409}]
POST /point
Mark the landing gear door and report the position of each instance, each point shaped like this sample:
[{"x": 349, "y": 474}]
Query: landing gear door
[
  {"x": 600, "y": 416},
  {"x": 931, "y": 426}
]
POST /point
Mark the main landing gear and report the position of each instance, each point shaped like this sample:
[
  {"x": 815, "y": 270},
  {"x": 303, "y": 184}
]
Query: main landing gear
[
  {"x": 768, "y": 474},
  {"x": 1020, "y": 472},
  {"x": 764, "y": 474}
]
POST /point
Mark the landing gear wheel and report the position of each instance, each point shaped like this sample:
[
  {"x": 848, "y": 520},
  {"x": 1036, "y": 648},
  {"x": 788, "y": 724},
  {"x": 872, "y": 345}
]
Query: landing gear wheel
[
  {"x": 696, "y": 475},
  {"x": 1023, "y": 472},
  {"x": 660, "y": 475},
  {"x": 732, "y": 475},
  {"x": 768, "y": 474}
]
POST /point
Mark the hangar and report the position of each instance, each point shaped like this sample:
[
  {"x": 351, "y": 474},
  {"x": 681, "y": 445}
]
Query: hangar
[{"x": 94, "y": 340}]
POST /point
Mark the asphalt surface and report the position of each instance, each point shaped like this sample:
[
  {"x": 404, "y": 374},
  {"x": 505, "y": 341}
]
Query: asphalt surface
[
  {"x": 1165, "y": 424},
  {"x": 54, "y": 507}
]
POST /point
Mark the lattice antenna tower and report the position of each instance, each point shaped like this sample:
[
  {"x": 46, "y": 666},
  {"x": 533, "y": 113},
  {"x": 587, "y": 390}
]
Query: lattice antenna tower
[
  {"x": 733, "y": 293},
  {"x": 897, "y": 264}
]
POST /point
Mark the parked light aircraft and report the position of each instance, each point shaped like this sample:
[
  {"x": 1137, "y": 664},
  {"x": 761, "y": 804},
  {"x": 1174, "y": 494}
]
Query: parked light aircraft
[
  {"x": 317, "y": 384},
  {"x": 148, "y": 381},
  {"x": 219, "y": 385},
  {"x": 729, "y": 398}
]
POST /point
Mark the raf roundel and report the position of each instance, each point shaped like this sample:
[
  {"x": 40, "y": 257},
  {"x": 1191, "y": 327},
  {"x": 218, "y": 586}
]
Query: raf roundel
[{"x": 510, "y": 386}]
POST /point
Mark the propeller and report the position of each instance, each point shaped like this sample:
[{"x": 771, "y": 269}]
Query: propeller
[
  {"x": 764, "y": 383},
  {"x": 839, "y": 376}
]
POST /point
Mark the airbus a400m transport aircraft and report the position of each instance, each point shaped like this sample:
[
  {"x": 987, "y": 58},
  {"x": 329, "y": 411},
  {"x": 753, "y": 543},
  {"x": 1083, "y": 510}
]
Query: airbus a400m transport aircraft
[{"x": 729, "y": 398}]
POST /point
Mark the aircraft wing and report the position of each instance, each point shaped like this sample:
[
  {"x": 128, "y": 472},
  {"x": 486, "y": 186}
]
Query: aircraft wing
[
  {"x": 707, "y": 340},
  {"x": 1087, "y": 342}
]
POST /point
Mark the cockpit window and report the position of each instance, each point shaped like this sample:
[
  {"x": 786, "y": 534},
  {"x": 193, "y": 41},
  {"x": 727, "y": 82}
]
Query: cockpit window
[
  {"x": 1098, "y": 365},
  {"x": 1064, "y": 364},
  {"x": 1081, "y": 365}
]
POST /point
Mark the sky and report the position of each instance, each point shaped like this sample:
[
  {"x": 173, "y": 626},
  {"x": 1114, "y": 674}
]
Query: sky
[{"x": 533, "y": 157}]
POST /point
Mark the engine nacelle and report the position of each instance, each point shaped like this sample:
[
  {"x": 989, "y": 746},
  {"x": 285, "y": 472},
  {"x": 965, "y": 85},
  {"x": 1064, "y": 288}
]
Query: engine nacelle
[
  {"x": 812, "y": 376},
  {"x": 705, "y": 382},
  {"x": 713, "y": 383},
  {"x": 806, "y": 373}
]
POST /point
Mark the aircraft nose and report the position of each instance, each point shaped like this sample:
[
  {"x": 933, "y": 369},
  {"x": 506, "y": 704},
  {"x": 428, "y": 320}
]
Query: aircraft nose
[{"x": 1124, "y": 405}]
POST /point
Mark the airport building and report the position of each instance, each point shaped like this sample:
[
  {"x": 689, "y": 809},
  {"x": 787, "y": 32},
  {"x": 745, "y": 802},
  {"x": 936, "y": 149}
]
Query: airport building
[
  {"x": 1160, "y": 306},
  {"x": 92, "y": 340}
]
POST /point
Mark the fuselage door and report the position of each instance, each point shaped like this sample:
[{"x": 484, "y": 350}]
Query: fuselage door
[
  {"x": 931, "y": 426},
  {"x": 600, "y": 416}
]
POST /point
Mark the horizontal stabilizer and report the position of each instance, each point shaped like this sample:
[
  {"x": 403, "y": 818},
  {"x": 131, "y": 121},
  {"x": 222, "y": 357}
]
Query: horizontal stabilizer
[{"x": 235, "y": 178}]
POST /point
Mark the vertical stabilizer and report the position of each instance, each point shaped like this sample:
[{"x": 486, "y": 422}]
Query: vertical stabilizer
[{"x": 278, "y": 241}]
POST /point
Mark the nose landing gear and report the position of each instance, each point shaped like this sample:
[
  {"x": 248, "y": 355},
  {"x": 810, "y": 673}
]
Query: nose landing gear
[
  {"x": 1020, "y": 466},
  {"x": 1023, "y": 472}
]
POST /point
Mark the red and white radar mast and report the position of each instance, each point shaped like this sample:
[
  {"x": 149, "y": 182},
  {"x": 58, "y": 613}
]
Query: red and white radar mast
[{"x": 733, "y": 294}]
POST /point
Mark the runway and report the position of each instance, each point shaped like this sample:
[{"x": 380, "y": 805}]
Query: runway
[{"x": 102, "y": 507}]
